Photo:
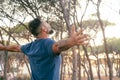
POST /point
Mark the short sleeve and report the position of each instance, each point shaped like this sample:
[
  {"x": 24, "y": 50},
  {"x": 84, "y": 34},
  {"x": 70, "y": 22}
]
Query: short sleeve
[
  {"x": 48, "y": 44},
  {"x": 25, "y": 48}
]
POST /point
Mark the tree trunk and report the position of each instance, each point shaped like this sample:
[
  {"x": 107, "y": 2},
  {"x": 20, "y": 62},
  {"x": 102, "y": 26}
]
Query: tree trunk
[
  {"x": 5, "y": 64},
  {"x": 79, "y": 64},
  {"x": 86, "y": 71},
  {"x": 105, "y": 42},
  {"x": 105, "y": 68},
  {"x": 66, "y": 15},
  {"x": 89, "y": 62},
  {"x": 6, "y": 60},
  {"x": 98, "y": 70},
  {"x": 74, "y": 64}
]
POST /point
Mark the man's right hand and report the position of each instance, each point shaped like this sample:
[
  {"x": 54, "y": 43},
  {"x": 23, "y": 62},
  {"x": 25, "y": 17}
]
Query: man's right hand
[{"x": 78, "y": 38}]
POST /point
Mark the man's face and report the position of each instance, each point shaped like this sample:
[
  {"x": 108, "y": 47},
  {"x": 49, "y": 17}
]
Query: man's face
[{"x": 47, "y": 27}]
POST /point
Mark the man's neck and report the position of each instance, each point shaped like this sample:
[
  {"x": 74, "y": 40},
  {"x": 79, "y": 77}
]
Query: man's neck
[{"x": 42, "y": 36}]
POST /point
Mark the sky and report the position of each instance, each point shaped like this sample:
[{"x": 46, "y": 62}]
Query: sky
[{"x": 110, "y": 11}]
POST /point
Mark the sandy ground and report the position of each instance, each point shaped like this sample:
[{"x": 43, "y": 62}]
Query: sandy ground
[{"x": 103, "y": 78}]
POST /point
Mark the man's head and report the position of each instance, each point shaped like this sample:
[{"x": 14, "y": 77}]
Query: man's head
[{"x": 37, "y": 26}]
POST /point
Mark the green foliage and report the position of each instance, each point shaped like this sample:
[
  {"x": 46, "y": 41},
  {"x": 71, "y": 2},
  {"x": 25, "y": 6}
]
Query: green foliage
[
  {"x": 20, "y": 28},
  {"x": 94, "y": 23},
  {"x": 1, "y": 78},
  {"x": 113, "y": 44}
]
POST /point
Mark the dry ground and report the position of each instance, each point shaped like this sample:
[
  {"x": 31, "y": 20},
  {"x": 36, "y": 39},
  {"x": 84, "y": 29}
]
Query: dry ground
[{"x": 103, "y": 78}]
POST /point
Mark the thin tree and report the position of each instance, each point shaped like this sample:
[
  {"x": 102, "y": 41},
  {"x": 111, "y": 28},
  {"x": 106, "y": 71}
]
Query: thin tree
[{"x": 104, "y": 38}]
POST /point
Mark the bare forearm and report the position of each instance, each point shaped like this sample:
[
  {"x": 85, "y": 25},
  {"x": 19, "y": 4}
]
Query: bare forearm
[
  {"x": 2, "y": 47},
  {"x": 63, "y": 45},
  {"x": 14, "y": 48}
]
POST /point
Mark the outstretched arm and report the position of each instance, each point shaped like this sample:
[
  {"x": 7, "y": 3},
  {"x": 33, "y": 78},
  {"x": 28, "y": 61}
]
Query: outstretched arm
[
  {"x": 14, "y": 48},
  {"x": 76, "y": 38}
]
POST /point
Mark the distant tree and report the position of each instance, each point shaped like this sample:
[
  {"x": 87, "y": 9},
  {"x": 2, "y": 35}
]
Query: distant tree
[{"x": 113, "y": 45}]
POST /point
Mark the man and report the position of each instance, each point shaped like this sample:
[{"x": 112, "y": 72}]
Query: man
[{"x": 44, "y": 53}]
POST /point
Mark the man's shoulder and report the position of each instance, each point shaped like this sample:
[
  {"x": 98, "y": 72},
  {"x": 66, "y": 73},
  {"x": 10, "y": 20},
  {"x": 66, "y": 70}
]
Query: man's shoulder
[
  {"x": 45, "y": 41},
  {"x": 48, "y": 40}
]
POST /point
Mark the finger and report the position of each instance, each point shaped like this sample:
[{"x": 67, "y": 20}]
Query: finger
[
  {"x": 83, "y": 40},
  {"x": 72, "y": 31},
  {"x": 80, "y": 41},
  {"x": 82, "y": 36},
  {"x": 83, "y": 43},
  {"x": 80, "y": 32}
]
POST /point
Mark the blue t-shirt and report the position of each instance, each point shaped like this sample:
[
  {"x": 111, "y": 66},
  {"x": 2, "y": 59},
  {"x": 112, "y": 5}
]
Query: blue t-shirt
[{"x": 45, "y": 65}]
